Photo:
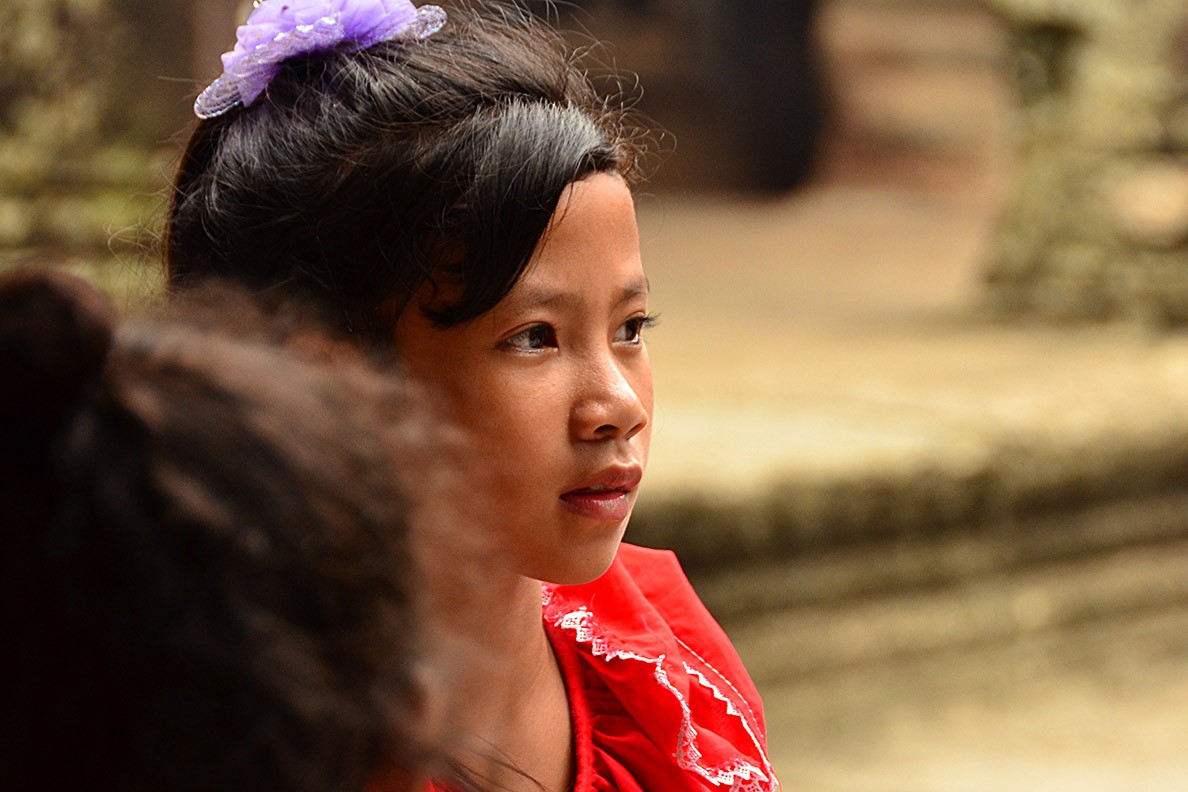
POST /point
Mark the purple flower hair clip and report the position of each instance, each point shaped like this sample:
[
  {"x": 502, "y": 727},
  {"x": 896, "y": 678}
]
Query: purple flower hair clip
[{"x": 278, "y": 30}]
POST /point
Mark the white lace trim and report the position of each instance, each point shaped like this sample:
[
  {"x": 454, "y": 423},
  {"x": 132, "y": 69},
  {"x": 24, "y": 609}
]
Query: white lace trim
[
  {"x": 748, "y": 720},
  {"x": 740, "y": 775}
]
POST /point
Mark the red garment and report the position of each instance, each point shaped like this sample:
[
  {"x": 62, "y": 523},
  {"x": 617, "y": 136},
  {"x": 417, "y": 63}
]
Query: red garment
[{"x": 659, "y": 699}]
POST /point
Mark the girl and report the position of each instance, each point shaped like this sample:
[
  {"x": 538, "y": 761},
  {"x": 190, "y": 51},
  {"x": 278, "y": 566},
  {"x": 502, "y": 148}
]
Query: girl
[
  {"x": 207, "y": 572},
  {"x": 455, "y": 189}
]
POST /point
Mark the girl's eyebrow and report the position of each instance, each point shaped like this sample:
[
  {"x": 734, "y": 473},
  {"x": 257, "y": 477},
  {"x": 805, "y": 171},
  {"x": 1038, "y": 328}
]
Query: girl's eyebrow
[
  {"x": 557, "y": 299},
  {"x": 640, "y": 288}
]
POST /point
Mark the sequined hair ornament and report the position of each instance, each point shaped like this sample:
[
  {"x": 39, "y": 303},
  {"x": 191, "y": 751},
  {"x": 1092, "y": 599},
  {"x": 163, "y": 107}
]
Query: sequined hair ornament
[{"x": 277, "y": 30}]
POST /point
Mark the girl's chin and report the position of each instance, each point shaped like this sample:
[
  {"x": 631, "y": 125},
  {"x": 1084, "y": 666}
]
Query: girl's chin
[{"x": 580, "y": 566}]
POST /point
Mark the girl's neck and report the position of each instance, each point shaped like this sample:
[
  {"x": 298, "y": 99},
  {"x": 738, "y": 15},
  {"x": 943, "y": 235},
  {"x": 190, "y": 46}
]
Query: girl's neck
[{"x": 519, "y": 708}]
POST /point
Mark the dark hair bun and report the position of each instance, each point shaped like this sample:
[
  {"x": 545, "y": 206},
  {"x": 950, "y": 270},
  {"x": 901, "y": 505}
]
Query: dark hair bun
[{"x": 55, "y": 333}]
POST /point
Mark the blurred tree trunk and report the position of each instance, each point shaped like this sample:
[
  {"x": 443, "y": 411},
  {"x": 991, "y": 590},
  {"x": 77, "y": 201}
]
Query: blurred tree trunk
[
  {"x": 89, "y": 91},
  {"x": 1096, "y": 225}
]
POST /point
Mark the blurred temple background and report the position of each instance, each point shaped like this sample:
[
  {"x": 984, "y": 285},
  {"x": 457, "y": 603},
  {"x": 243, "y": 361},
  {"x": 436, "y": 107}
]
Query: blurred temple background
[{"x": 922, "y": 434}]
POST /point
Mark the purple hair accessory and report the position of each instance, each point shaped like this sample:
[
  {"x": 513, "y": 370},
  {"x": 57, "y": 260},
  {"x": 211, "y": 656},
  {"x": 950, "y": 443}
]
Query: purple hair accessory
[{"x": 278, "y": 30}]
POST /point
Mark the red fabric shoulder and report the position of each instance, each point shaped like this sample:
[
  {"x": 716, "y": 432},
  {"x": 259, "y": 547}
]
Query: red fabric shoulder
[
  {"x": 655, "y": 686},
  {"x": 662, "y": 582}
]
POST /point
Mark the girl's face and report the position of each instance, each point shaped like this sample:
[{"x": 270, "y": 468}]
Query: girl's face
[{"x": 555, "y": 387}]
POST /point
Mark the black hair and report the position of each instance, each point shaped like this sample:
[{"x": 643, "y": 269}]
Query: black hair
[
  {"x": 363, "y": 176},
  {"x": 206, "y": 579}
]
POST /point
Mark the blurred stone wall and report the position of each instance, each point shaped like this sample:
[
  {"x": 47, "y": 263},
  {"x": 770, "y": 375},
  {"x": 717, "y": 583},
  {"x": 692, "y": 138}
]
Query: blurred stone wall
[
  {"x": 1096, "y": 225},
  {"x": 90, "y": 93}
]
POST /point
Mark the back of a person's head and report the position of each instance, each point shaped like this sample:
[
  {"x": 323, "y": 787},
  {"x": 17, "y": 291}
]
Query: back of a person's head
[
  {"x": 359, "y": 175},
  {"x": 206, "y": 570}
]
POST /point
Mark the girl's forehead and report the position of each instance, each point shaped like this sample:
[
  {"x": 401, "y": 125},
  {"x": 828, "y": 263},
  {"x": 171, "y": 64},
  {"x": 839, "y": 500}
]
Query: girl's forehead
[
  {"x": 593, "y": 235},
  {"x": 529, "y": 294}
]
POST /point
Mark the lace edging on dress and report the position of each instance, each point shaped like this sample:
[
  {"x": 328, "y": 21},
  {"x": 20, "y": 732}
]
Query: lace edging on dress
[{"x": 740, "y": 774}]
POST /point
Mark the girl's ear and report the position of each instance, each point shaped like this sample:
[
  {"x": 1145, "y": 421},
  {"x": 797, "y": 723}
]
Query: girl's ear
[{"x": 55, "y": 334}]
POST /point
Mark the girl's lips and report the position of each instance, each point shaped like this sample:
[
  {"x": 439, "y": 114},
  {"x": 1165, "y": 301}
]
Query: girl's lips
[
  {"x": 608, "y": 495},
  {"x": 609, "y": 505}
]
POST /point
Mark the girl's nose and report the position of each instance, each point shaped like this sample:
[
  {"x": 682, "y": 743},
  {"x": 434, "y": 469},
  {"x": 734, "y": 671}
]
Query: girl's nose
[{"x": 614, "y": 401}]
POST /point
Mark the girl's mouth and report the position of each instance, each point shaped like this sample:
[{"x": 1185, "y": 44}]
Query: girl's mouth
[
  {"x": 601, "y": 504},
  {"x": 609, "y": 497}
]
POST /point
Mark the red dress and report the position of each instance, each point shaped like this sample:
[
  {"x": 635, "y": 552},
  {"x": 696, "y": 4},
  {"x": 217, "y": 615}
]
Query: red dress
[{"x": 659, "y": 699}]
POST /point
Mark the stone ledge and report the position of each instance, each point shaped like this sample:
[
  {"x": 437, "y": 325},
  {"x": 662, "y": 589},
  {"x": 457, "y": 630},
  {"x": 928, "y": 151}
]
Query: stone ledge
[
  {"x": 983, "y": 610},
  {"x": 1014, "y": 484},
  {"x": 835, "y": 576}
]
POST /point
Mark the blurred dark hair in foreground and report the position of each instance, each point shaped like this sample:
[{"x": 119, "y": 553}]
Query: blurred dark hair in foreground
[{"x": 207, "y": 575}]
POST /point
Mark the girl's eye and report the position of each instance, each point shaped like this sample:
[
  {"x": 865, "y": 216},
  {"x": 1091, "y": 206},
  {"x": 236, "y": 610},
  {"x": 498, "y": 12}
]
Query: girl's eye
[
  {"x": 631, "y": 331},
  {"x": 540, "y": 336}
]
